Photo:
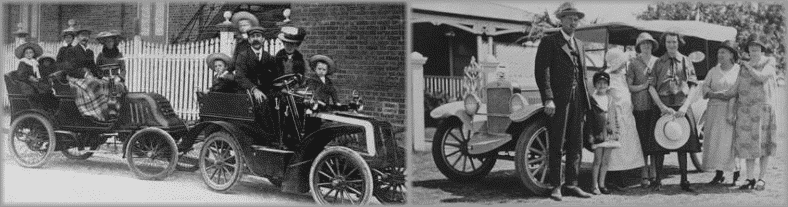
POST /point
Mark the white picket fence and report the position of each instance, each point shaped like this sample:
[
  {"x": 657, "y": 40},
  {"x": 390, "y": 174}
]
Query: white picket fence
[
  {"x": 451, "y": 86},
  {"x": 176, "y": 71}
]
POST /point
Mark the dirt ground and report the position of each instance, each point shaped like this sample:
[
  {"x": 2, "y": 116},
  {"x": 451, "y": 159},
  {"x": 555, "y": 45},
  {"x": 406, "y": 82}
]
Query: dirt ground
[{"x": 502, "y": 186}]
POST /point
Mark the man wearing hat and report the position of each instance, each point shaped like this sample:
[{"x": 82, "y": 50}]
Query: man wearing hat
[
  {"x": 244, "y": 21},
  {"x": 79, "y": 55},
  {"x": 560, "y": 76},
  {"x": 68, "y": 38},
  {"x": 254, "y": 67},
  {"x": 673, "y": 91},
  {"x": 289, "y": 60}
]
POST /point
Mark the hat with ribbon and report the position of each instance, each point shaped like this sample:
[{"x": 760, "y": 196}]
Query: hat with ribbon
[
  {"x": 20, "y": 50},
  {"x": 292, "y": 34},
  {"x": 238, "y": 16},
  {"x": 322, "y": 58},
  {"x": 672, "y": 133},
  {"x": 217, "y": 56},
  {"x": 567, "y": 8}
]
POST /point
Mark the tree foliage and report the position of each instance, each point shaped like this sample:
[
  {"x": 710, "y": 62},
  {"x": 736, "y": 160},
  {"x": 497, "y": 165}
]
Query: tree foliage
[{"x": 759, "y": 20}]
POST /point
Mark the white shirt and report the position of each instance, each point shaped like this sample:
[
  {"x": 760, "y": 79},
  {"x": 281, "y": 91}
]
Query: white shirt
[
  {"x": 258, "y": 52},
  {"x": 570, "y": 39}
]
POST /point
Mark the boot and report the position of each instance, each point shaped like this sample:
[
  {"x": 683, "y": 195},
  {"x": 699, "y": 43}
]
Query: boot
[
  {"x": 718, "y": 178},
  {"x": 735, "y": 178}
]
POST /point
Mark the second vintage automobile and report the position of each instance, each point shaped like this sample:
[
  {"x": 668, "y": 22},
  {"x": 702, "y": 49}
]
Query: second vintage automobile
[
  {"x": 508, "y": 122},
  {"x": 337, "y": 154}
]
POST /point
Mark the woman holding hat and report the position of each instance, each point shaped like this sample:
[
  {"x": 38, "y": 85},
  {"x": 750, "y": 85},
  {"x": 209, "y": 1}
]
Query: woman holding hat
[
  {"x": 630, "y": 154},
  {"x": 110, "y": 55},
  {"x": 289, "y": 60},
  {"x": 755, "y": 125},
  {"x": 643, "y": 108},
  {"x": 28, "y": 71},
  {"x": 223, "y": 78},
  {"x": 718, "y": 132},
  {"x": 322, "y": 85}
]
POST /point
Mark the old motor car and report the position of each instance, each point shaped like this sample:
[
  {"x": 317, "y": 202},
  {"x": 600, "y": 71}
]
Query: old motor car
[
  {"x": 508, "y": 122},
  {"x": 147, "y": 126},
  {"x": 337, "y": 154}
]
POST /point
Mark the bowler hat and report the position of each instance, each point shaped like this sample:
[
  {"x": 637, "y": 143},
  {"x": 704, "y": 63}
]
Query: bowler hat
[
  {"x": 316, "y": 58},
  {"x": 671, "y": 132},
  {"x": 567, "y": 8},
  {"x": 20, "y": 50},
  {"x": 292, "y": 34},
  {"x": 238, "y": 16}
]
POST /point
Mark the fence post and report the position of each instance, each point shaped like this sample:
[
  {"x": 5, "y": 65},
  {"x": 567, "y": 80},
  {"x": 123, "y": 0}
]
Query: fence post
[
  {"x": 416, "y": 97},
  {"x": 226, "y": 40}
]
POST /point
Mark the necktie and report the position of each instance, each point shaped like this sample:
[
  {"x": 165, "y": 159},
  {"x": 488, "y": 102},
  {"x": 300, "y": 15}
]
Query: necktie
[{"x": 258, "y": 55}]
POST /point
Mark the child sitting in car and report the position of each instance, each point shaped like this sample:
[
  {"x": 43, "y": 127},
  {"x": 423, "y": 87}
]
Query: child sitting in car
[{"x": 223, "y": 77}]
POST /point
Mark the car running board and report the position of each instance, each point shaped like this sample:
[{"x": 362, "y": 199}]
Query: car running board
[
  {"x": 268, "y": 149},
  {"x": 483, "y": 142}
]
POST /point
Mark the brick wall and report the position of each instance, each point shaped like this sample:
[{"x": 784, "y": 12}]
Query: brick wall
[
  {"x": 367, "y": 42},
  {"x": 98, "y": 17}
]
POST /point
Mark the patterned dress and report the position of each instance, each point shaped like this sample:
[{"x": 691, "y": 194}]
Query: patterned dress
[{"x": 755, "y": 118}]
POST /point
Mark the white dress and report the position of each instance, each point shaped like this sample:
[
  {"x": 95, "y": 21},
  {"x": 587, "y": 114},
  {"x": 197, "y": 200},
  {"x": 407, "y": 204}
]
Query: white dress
[
  {"x": 717, "y": 132},
  {"x": 630, "y": 154}
]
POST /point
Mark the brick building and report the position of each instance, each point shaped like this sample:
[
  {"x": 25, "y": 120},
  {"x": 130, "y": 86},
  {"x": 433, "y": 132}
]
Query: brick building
[{"x": 367, "y": 41}]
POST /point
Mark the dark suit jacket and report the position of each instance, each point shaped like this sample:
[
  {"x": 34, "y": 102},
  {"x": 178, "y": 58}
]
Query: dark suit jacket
[
  {"x": 251, "y": 72},
  {"x": 324, "y": 92},
  {"x": 80, "y": 58},
  {"x": 61, "y": 53},
  {"x": 554, "y": 65},
  {"x": 299, "y": 64}
]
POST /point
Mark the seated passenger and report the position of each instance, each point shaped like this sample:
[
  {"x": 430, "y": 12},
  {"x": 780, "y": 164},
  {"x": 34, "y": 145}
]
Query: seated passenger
[
  {"x": 110, "y": 60},
  {"x": 96, "y": 98},
  {"x": 323, "y": 87},
  {"x": 47, "y": 67},
  {"x": 223, "y": 77},
  {"x": 28, "y": 72}
]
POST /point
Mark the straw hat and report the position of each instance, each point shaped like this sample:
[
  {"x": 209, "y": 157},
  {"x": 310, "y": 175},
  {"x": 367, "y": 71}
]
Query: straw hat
[
  {"x": 82, "y": 29},
  {"x": 645, "y": 36},
  {"x": 107, "y": 34},
  {"x": 314, "y": 59},
  {"x": 20, "y": 50},
  {"x": 567, "y": 8},
  {"x": 217, "y": 56},
  {"x": 238, "y": 16},
  {"x": 292, "y": 34},
  {"x": 672, "y": 133}
]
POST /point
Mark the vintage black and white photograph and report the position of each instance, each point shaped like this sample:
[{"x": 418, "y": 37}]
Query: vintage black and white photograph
[
  {"x": 203, "y": 102},
  {"x": 598, "y": 103}
]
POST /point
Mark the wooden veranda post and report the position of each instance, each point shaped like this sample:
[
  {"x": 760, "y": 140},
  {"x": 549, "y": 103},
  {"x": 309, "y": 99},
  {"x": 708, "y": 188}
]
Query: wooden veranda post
[{"x": 416, "y": 96}]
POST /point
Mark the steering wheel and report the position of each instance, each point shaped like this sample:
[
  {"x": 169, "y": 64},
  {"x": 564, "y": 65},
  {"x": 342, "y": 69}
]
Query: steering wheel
[{"x": 287, "y": 80}]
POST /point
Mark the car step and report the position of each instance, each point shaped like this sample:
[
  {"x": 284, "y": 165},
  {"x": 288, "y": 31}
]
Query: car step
[{"x": 268, "y": 149}]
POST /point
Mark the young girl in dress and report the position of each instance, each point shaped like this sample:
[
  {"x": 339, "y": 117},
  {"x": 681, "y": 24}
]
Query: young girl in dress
[{"x": 605, "y": 127}]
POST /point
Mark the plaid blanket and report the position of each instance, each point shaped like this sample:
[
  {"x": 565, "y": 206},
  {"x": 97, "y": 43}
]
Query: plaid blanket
[{"x": 98, "y": 98}]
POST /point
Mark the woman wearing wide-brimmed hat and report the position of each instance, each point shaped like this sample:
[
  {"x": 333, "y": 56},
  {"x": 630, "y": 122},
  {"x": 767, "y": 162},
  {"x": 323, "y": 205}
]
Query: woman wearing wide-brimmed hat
[
  {"x": 110, "y": 61},
  {"x": 223, "y": 77},
  {"x": 28, "y": 71},
  {"x": 68, "y": 35},
  {"x": 643, "y": 108},
  {"x": 718, "y": 132},
  {"x": 243, "y": 21},
  {"x": 289, "y": 59},
  {"x": 322, "y": 86},
  {"x": 755, "y": 127}
]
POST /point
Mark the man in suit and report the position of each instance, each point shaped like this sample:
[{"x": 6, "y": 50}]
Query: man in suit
[
  {"x": 560, "y": 76},
  {"x": 79, "y": 55},
  {"x": 255, "y": 71}
]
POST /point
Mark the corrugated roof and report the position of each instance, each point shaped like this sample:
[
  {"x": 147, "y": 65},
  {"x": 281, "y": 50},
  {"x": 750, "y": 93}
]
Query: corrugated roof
[
  {"x": 689, "y": 28},
  {"x": 477, "y": 9}
]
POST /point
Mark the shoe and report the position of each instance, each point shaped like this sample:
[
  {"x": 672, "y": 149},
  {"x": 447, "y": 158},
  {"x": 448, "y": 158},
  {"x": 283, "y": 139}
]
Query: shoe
[
  {"x": 576, "y": 191},
  {"x": 656, "y": 185},
  {"x": 717, "y": 180},
  {"x": 749, "y": 185},
  {"x": 596, "y": 191},
  {"x": 556, "y": 194},
  {"x": 760, "y": 185},
  {"x": 645, "y": 182},
  {"x": 685, "y": 186},
  {"x": 604, "y": 190},
  {"x": 735, "y": 178}
]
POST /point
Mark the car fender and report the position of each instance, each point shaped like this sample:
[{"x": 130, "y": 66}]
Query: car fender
[
  {"x": 457, "y": 109},
  {"x": 35, "y": 111},
  {"x": 242, "y": 136},
  {"x": 526, "y": 112},
  {"x": 314, "y": 143}
]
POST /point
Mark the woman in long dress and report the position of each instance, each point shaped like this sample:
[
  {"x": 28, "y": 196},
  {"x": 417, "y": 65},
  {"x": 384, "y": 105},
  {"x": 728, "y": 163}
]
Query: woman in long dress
[
  {"x": 755, "y": 125},
  {"x": 718, "y": 145},
  {"x": 630, "y": 154}
]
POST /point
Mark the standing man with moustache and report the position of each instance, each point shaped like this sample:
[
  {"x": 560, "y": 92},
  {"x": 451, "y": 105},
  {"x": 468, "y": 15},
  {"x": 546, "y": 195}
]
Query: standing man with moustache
[
  {"x": 560, "y": 76},
  {"x": 255, "y": 70}
]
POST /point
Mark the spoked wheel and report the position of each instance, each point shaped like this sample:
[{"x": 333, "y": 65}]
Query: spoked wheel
[
  {"x": 340, "y": 176},
  {"x": 450, "y": 152},
  {"x": 151, "y": 154},
  {"x": 390, "y": 185},
  {"x": 531, "y": 158},
  {"x": 189, "y": 161},
  {"x": 221, "y": 161},
  {"x": 32, "y": 140}
]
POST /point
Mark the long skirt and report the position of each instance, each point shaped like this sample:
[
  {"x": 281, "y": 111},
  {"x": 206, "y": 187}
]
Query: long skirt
[{"x": 718, "y": 139}]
